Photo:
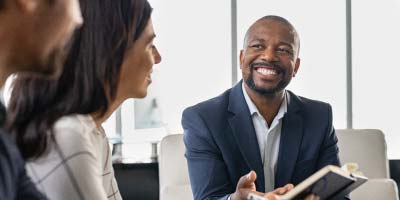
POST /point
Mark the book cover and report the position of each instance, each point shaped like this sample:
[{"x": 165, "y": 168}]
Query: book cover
[{"x": 330, "y": 182}]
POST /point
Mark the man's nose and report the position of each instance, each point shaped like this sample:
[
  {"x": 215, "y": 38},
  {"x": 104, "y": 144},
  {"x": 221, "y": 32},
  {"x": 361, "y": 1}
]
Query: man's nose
[{"x": 269, "y": 55}]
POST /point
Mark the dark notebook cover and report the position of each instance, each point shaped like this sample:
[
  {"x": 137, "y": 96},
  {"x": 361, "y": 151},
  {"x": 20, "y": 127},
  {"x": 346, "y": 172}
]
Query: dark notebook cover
[{"x": 330, "y": 182}]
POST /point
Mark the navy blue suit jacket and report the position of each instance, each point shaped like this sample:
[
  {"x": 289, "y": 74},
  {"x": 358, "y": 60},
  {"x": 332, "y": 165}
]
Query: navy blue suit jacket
[
  {"x": 221, "y": 143},
  {"x": 15, "y": 184}
]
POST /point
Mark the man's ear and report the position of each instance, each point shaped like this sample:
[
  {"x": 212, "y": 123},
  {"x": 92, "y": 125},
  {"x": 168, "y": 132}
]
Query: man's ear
[
  {"x": 27, "y": 6},
  {"x": 296, "y": 66},
  {"x": 241, "y": 58}
]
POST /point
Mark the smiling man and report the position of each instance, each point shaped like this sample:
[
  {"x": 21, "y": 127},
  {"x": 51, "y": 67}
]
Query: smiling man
[{"x": 258, "y": 125}]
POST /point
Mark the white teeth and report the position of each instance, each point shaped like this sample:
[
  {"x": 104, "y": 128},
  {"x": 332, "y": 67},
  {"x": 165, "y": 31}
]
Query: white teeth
[{"x": 265, "y": 71}]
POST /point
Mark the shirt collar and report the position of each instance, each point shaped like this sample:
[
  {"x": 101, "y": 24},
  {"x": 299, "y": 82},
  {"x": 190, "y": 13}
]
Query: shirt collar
[{"x": 254, "y": 110}]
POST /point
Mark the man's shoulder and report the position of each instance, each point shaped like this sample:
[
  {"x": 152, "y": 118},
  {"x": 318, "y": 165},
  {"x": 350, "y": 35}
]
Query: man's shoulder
[
  {"x": 309, "y": 103},
  {"x": 11, "y": 159},
  {"x": 6, "y": 143},
  {"x": 312, "y": 107},
  {"x": 314, "y": 103}
]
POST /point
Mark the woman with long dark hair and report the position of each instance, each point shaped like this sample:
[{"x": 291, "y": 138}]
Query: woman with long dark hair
[{"x": 57, "y": 123}]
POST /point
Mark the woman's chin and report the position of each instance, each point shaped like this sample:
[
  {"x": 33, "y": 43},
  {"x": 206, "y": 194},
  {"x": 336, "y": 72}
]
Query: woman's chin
[{"x": 140, "y": 95}]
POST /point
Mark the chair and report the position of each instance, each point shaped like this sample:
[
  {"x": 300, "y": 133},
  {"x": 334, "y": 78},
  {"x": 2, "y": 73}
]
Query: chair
[
  {"x": 376, "y": 189},
  {"x": 367, "y": 148},
  {"x": 173, "y": 171}
]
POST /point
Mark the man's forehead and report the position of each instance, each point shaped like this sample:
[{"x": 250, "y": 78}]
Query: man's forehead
[{"x": 269, "y": 27}]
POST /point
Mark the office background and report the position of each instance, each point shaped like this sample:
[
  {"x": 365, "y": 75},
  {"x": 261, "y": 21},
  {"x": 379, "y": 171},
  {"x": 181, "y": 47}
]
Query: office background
[
  {"x": 349, "y": 52},
  {"x": 349, "y": 58}
]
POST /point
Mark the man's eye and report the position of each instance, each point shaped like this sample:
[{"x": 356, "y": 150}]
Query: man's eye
[
  {"x": 286, "y": 51},
  {"x": 256, "y": 46}
]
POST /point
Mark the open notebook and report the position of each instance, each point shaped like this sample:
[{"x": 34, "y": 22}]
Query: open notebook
[{"x": 330, "y": 182}]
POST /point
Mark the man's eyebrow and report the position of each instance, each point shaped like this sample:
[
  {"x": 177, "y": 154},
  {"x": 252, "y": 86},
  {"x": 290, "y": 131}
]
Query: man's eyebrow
[
  {"x": 261, "y": 40},
  {"x": 286, "y": 43},
  {"x": 256, "y": 40}
]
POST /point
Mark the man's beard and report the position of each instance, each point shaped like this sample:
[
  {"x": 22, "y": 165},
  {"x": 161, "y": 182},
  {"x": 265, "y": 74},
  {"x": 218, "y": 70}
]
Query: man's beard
[{"x": 263, "y": 91}]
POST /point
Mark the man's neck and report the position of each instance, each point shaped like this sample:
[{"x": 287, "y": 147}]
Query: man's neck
[{"x": 269, "y": 105}]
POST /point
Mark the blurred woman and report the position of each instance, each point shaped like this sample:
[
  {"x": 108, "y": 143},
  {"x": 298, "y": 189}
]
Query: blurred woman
[{"x": 57, "y": 123}]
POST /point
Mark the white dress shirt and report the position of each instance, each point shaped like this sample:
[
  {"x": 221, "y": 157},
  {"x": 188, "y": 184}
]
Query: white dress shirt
[{"x": 262, "y": 129}]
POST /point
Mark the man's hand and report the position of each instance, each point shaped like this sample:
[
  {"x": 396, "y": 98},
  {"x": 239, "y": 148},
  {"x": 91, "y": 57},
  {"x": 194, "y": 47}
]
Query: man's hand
[
  {"x": 246, "y": 185},
  {"x": 274, "y": 195},
  {"x": 312, "y": 197}
]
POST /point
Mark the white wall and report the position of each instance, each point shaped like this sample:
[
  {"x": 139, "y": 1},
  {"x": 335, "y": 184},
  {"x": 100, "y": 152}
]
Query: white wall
[{"x": 194, "y": 39}]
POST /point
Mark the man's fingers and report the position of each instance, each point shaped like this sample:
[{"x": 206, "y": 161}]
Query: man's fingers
[
  {"x": 289, "y": 187},
  {"x": 280, "y": 191},
  {"x": 271, "y": 196},
  {"x": 312, "y": 197},
  {"x": 247, "y": 181},
  {"x": 244, "y": 186},
  {"x": 283, "y": 190},
  {"x": 251, "y": 176}
]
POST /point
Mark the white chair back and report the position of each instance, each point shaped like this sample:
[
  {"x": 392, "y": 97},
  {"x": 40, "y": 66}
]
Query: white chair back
[
  {"x": 376, "y": 189},
  {"x": 173, "y": 171},
  {"x": 367, "y": 148}
]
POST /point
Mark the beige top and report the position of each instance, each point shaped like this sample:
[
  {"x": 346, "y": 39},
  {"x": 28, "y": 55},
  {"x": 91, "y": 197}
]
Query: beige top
[{"x": 78, "y": 166}]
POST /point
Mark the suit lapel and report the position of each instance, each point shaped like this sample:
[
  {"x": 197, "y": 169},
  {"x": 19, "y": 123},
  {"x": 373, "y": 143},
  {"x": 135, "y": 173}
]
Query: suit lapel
[
  {"x": 243, "y": 130},
  {"x": 291, "y": 136}
]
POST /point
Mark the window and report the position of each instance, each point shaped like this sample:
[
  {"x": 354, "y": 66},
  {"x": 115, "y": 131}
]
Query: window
[{"x": 376, "y": 70}]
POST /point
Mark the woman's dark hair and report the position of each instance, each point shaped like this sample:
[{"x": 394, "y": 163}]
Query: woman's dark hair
[{"x": 88, "y": 82}]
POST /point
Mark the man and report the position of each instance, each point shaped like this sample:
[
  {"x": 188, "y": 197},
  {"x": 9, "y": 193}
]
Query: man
[
  {"x": 258, "y": 125},
  {"x": 33, "y": 34}
]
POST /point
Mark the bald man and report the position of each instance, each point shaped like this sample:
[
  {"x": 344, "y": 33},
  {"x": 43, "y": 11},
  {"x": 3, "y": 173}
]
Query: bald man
[{"x": 258, "y": 125}]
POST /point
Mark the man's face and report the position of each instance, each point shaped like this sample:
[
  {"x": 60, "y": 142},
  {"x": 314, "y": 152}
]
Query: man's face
[
  {"x": 269, "y": 58},
  {"x": 49, "y": 28}
]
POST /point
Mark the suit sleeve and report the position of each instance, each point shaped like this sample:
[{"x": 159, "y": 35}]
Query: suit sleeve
[
  {"x": 14, "y": 181},
  {"x": 329, "y": 153},
  {"x": 26, "y": 189},
  {"x": 207, "y": 170}
]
